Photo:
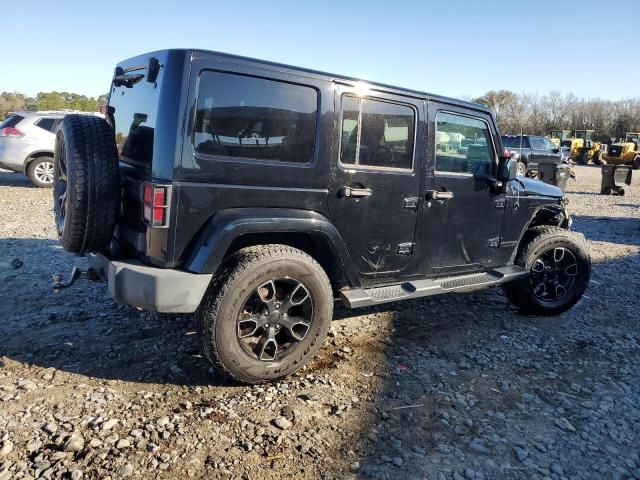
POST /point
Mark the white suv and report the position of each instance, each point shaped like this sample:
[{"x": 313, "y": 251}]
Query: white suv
[{"x": 26, "y": 144}]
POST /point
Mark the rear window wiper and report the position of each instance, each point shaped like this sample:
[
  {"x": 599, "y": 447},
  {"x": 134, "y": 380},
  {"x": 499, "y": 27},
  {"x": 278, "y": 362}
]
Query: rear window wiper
[{"x": 124, "y": 77}]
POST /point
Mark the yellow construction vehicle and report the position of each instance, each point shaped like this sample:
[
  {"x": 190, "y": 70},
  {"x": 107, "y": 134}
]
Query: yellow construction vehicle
[
  {"x": 582, "y": 147},
  {"x": 624, "y": 152},
  {"x": 557, "y": 136}
]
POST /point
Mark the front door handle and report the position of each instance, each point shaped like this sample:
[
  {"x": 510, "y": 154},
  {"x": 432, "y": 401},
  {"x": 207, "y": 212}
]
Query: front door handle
[
  {"x": 436, "y": 195},
  {"x": 355, "y": 192}
]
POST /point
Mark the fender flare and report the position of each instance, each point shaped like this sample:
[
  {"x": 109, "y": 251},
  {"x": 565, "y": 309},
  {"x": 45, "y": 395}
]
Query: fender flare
[
  {"x": 227, "y": 225},
  {"x": 33, "y": 156}
]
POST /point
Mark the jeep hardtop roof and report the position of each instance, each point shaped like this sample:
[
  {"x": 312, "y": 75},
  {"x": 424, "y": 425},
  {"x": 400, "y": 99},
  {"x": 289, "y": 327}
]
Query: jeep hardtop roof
[{"x": 316, "y": 73}]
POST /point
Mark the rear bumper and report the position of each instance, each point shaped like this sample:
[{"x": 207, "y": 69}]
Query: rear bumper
[{"x": 155, "y": 289}]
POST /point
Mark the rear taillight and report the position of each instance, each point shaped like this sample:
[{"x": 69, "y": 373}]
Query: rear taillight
[
  {"x": 107, "y": 110},
  {"x": 11, "y": 132},
  {"x": 155, "y": 204}
]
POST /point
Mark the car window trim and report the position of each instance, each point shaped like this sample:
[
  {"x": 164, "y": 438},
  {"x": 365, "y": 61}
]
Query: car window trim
[
  {"x": 473, "y": 117},
  {"x": 374, "y": 168},
  {"x": 249, "y": 160}
]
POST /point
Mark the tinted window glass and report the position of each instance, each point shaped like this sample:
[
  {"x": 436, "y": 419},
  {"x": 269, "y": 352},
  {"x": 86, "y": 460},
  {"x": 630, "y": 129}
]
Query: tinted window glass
[
  {"x": 549, "y": 145},
  {"x": 537, "y": 143},
  {"x": 11, "y": 121},
  {"x": 135, "y": 113},
  {"x": 349, "y": 138},
  {"x": 463, "y": 145},
  {"x": 247, "y": 117},
  {"x": 377, "y": 133},
  {"x": 515, "y": 142},
  {"x": 46, "y": 123}
]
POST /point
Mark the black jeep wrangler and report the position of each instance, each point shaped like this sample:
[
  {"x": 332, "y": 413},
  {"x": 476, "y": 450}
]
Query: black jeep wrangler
[{"x": 255, "y": 194}]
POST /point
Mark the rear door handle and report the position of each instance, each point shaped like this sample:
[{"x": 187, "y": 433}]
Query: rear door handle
[
  {"x": 355, "y": 192},
  {"x": 436, "y": 195}
]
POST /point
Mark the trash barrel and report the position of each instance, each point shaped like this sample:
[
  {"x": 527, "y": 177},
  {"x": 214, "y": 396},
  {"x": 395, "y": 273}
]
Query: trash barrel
[
  {"x": 613, "y": 179},
  {"x": 554, "y": 174}
]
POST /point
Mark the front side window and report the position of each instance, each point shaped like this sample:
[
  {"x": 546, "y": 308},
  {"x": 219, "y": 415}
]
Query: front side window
[
  {"x": 255, "y": 118},
  {"x": 463, "y": 145},
  {"x": 376, "y": 133}
]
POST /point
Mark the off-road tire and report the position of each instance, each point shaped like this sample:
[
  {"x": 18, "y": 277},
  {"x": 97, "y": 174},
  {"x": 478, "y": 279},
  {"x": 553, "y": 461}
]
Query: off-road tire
[
  {"x": 86, "y": 150},
  {"x": 35, "y": 172},
  {"x": 597, "y": 158},
  {"x": 239, "y": 275},
  {"x": 537, "y": 241}
]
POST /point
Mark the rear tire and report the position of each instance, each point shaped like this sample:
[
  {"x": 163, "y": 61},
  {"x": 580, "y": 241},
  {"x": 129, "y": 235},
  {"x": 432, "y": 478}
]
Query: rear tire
[
  {"x": 86, "y": 185},
  {"x": 560, "y": 269},
  {"x": 636, "y": 163},
  {"x": 597, "y": 158},
  {"x": 40, "y": 172},
  {"x": 248, "y": 306}
]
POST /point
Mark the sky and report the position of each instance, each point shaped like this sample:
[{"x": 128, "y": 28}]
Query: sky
[{"x": 459, "y": 48}]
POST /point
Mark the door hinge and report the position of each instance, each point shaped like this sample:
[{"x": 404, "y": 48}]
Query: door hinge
[
  {"x": 411, "y": 203},
  {"x": 405, "y": 248},
  {"x": 494, "y": 242},
  {"x": 501, "y": 203}
]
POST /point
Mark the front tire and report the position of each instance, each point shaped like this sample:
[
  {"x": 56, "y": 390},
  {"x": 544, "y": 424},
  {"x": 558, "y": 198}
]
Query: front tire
[
  {"x": 559, "y": 268},
  {"x": 266, "y": 313},
  {"x": 40, "y": 172}
]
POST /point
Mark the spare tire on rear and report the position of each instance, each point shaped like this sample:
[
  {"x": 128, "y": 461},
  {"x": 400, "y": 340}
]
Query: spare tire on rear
[{"x": 86, "y": 185}]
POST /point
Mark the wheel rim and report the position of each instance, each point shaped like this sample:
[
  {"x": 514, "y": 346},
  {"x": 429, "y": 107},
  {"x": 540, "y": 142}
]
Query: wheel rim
[
  {"x": 44, "y": 172},
  {"x": 553, "y": 274},
  {"x": 60, "y": 202},
  {"x": 522, "y": 169},
  {"x": 274, "y": 320}
]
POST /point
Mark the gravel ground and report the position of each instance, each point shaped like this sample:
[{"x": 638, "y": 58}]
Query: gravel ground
[{"x": 449, "y": 387}]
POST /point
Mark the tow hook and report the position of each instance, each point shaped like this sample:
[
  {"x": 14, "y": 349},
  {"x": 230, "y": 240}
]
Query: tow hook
[{"x": 58, "y": 284}]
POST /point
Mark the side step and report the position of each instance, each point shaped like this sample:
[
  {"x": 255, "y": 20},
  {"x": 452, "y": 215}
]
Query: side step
[{"x": 424, "y": 288}]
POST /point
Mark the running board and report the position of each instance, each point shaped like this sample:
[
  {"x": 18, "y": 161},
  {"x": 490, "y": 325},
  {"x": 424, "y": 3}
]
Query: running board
[{"x": 424, "y": 288}]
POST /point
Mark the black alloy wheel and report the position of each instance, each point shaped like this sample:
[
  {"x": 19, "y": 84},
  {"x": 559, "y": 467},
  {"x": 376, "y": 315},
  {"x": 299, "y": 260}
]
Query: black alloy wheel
[
  {"x": 274, "y": 319},
  {"x": 60, "y": 201},
  {"x": 553, "y": 274}
]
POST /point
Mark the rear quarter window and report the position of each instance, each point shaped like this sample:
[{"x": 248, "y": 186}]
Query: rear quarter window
[{"x": 246, "y": 117}]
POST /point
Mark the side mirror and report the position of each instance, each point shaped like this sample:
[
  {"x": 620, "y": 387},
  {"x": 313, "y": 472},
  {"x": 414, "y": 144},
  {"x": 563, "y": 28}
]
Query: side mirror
[{"x": 507, "y": 169}]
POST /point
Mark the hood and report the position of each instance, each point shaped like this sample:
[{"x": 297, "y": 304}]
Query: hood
[{"x": 531, "y": 186}]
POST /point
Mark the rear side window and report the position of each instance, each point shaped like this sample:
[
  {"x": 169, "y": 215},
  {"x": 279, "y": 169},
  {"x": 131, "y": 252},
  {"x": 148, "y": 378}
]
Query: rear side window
[
  {"x": 11, "y": 121},
  {"x": 254, "y": 118},
  {"x": 376, "y": 133},
  {"x": 515, "y": 142},
  {"x": 46, "y": 123},
  {"x": 537, "y": 143},
  {"x": 463, "y": 145}
]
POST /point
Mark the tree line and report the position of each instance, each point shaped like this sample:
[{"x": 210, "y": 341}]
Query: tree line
[
  {"x": 532, "y": 114},
  {"x": 13, "y": 101},
  {"x": 536, "y": 114}
]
